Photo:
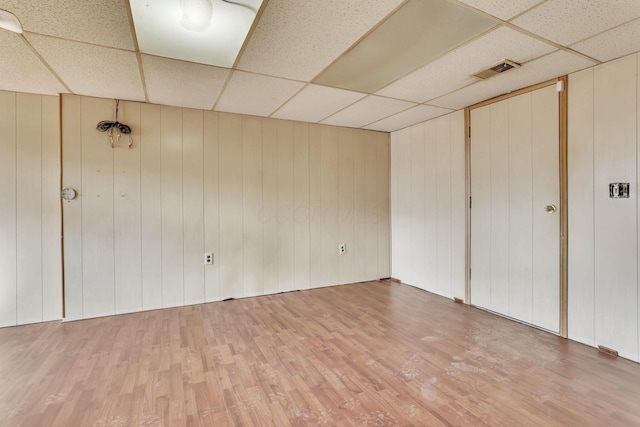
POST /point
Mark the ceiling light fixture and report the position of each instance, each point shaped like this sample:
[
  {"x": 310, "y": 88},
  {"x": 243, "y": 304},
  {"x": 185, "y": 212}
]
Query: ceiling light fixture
[
  {"x": 10, "y": 22},
  {"x": 196, "y": 14},
  {"x": 208, "y": 32}
]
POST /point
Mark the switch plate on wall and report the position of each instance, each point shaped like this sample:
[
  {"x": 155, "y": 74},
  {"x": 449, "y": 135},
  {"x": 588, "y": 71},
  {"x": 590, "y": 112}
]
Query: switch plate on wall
[
  {"x": 619, "y": 190},
  {"x": 208, "y": 258},
  {"x": 342, "y": 248}
]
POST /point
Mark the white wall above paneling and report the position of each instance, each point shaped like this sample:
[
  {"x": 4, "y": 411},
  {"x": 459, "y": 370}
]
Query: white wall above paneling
[
  {"x": 30, "y": 247},
  {"x": 428, "y": 205},
  {"x": 265, "y": 196}
]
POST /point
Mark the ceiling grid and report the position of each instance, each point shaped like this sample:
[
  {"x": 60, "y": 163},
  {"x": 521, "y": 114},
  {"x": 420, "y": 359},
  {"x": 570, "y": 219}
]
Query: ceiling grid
[{"x": 382, "y": 65}]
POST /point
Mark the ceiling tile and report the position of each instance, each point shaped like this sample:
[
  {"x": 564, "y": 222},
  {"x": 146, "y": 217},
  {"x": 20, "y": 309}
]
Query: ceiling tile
[
  {"x": 255, "y": 94},
  {"x": 612, "y": 44},
  {"x": 454, "y": 70},
  {"x": 569, "y": 21},
  {"x": 417, "y": 114},
  {"x": 101, "y": 22},
  {"x": 548, "y": 67},
  {"x": 21, "y": 70},
  {"x": 183, "y": 84},
  {"x": 416, "y": 34},
  {"x": 369, "y": 110},
  {"x": 502, "y": 9},
  {"x": 315, "y": 103},
  {"x": 298, "y": 39},
  {"x": 92, "y": 70}
]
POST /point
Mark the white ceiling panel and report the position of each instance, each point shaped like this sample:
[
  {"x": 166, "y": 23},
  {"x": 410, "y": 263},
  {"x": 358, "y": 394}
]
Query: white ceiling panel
[
  {"x": 369, "y": 110},
  {"x": 298, "y": 39},
  {"x": 21, "y": 70},
  {"x": 548, "y": 67},
  {"x": 101, "y": 22},
  {"x": 454, "y": 70},
  {"x": 92, "y": 70},
  {"x": 417, "y": 114},
  {"x": 502, "y": 9},
  {"x": 255, "y": 94},
  {"x": 569, "y": 21},
  {"x": 315, "y": 103},
  {"x": 183, "y": 84},
  {"x": 612, "y": 44}
]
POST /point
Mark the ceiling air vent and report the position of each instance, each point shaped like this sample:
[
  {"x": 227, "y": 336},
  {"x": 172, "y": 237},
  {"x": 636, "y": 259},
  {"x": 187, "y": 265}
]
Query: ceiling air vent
[{"x": 496, "y": 69}]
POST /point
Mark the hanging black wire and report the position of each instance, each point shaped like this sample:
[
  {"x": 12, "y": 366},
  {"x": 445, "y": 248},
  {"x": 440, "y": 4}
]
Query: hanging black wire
[{"x": 120, "y": 128}]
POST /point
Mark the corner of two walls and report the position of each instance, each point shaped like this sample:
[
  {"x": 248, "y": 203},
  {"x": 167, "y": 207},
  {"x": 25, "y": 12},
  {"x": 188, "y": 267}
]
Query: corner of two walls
[
  {"x": 271, "y": 199},
  {"x": 428, "y": 204}
]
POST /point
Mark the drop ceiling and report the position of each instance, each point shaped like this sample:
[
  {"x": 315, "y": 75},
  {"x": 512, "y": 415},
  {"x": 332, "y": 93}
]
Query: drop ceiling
[{"x": 381, "y": 65}]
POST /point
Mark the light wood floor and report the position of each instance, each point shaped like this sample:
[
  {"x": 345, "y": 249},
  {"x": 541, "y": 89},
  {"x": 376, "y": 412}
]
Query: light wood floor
[{"x": 376, "y": 353}]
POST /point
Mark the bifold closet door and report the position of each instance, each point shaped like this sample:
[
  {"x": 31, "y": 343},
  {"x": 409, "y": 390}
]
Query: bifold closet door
[{"x": 515, "y": 218}]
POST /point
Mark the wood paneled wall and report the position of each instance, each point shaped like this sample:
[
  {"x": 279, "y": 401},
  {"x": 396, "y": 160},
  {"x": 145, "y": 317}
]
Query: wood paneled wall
[
  {"x": 428, "y": 205},
  {"x": 603, "y": 232},
  {"x": 30, "y": 248},
  {"x": 271, "y": 199}
]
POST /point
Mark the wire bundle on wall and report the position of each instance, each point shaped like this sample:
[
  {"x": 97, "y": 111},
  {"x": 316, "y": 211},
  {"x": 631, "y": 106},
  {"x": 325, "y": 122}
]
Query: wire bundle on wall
[{"x": 120, "y": 128}]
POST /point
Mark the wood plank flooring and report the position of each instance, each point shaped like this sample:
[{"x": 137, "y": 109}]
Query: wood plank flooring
[{"x": 374, "y": 353}]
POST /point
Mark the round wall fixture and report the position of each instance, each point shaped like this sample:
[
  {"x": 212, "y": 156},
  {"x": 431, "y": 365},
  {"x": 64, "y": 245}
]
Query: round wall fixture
[{"x": 68, "y": 194}]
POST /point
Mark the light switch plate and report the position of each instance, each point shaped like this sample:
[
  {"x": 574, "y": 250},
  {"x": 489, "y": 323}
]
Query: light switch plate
[{"x": 619, "y": 190}]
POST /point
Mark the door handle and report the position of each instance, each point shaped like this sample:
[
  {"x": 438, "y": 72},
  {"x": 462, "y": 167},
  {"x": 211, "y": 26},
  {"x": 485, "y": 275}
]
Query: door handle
[{"x": 550, "y": 209}]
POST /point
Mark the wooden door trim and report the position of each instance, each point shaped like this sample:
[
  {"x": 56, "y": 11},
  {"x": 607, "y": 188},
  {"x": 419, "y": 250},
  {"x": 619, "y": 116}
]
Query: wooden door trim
[
  {"x": 564, "y": 203},
  {"x": 563, "y": 137}
]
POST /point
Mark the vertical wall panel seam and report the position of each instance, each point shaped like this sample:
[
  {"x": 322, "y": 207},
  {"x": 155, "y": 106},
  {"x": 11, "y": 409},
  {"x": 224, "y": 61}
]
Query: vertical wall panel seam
[
  {"x": 637, "y": 264},
  {"x": 182, "y": 196},
  {"x": 203, "y": 234},
  {"x": 141, "y": 210},
  {"x": 244, "y": 273},
  {"x": 532, "y": 209},
  {"x": 15, "y": 143},
  {"x": 593, "y": 201},
  {"x": 293, "y": 202},
  {"x": 436, "y": 285},
  {"x": 113, "y": 229},
  {"x": 308, "y": 127},
  {"x": 450, "y": 142},
  {"x": 41, "y": 216},
  {"x": 262, "y": 216},
  {"x": 161, "y": 215},
  {"x": 490, "y": 198},
  {"x": 81, "y": 213}
]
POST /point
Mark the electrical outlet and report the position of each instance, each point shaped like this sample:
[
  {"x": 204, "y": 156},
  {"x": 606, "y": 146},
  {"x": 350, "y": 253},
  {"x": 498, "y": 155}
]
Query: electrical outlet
[
  {"x": 208, "y": 258},
  {"x": 342, "y": 248}
]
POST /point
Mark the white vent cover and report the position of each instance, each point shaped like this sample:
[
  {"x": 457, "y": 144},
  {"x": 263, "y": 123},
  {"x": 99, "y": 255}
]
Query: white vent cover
[{"x": 494, "y": 70}]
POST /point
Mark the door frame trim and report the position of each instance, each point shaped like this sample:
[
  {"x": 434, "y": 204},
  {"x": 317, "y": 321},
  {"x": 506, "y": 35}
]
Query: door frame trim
[{"x": 563, "y": 136}]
